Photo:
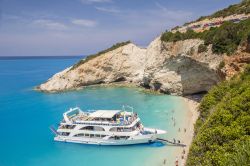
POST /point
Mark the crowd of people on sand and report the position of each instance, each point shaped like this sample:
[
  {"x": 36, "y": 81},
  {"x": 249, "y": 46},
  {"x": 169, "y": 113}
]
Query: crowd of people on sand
[
  {"x": 177, "y": 141},
  {"x": 176, "y": 159}
]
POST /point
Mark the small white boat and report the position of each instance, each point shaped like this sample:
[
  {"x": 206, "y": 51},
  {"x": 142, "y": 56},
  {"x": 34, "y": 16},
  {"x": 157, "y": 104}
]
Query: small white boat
[{"x": 104, "y": 127}]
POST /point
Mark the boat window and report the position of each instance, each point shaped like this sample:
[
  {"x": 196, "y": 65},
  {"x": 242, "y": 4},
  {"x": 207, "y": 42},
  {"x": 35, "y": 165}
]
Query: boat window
[
  {"x": 79, "y": 135},
  {"x": 93, "y": 128},
  {"x": 97, "y": 135},
  {"x": 98, "y": 128},
  {"x": 119, "y": 137},
  {"x": 65, "y": 133},
  {"x": 67, "y": 126},
  {"x": 124, "y": 137},
  {"x": 70, "y": 126},
  {"x": 91, "y": 135},
  {"x": 87, "y": 128},
  {"x": 121, "y": 129},
  {"x": 86, "y": 135}
]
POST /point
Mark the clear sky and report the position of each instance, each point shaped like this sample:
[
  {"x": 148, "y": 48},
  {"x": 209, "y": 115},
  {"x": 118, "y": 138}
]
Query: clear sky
[{"x": 82, "y": 27}]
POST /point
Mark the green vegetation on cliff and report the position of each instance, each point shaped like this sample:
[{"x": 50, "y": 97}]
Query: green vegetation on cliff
[
  {"x": 222, "y": 132},
  {"x": 224, "y": 39},
  {"x": 241, "y": 8},
  {"x": 115, "y": 46}
]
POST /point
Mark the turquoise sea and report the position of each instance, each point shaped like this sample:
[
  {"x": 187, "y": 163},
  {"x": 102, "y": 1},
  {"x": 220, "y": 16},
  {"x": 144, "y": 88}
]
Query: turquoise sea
[{"x": 25, "y": 117}]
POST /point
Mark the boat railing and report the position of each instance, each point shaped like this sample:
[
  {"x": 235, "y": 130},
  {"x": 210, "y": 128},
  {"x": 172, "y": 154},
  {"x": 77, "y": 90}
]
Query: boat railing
[
  {"x": 127, "y": 106},
  {"x": 77, "y": 116},
  {"x": 104, "y": 123}
]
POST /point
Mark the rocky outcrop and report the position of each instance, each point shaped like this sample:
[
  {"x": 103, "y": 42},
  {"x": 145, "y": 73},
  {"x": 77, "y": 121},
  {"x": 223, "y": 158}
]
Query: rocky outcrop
[
  {"x": 235, "y": 63},
  {"x": 122, "y": 64},
  {"x": 178, "y": 68},
  {"x": 173, "y": 68}
]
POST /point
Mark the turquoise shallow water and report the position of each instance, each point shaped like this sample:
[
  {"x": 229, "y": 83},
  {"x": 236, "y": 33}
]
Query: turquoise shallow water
[{"x": 25, "y": 138}]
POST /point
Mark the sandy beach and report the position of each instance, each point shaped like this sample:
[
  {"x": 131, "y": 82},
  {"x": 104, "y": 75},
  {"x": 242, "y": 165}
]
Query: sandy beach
[
  {"x": 183, "y": 122},
  {"x": 186, "y": 134},
  {"x": 194, "y": 114}
]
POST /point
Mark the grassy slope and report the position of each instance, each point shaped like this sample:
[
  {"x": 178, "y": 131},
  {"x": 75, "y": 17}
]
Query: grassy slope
[
  {"x": 224, "y": 39},
  {"x": 243, "y": 7},
  {"x": 223, "y": 128}
]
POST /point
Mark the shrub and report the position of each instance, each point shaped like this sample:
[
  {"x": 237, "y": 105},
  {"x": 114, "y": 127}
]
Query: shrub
[
  {"x": 221, "y": 65},
  {"x": 202, "y": 48},
  {"x": 241, "y": 156},
  {"x": 224, "y": 39},
  {"x": 241, "y": 8},
  {"x": 223, "y": 129}
]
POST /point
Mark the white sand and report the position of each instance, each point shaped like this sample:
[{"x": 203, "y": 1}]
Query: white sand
[
  {"x": 190, "y": 114},
  {"x": 194, "y": 114},
  {"x": 187, "y": 137}
]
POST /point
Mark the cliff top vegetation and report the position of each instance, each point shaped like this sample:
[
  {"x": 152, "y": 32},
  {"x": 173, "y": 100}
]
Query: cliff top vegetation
[
  {"x": 224, "y": 39},
  {"x": 223, "y": 128},
  {"x": 115, "y": 46}
]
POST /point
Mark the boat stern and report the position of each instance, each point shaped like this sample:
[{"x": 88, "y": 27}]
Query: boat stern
[
  {"x": 160, "y": 131},
  {"x": 155, "y": 131}
]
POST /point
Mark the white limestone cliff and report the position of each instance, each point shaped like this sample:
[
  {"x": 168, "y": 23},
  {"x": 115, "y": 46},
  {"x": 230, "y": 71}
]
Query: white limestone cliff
[{"x": 174, "y": 68}]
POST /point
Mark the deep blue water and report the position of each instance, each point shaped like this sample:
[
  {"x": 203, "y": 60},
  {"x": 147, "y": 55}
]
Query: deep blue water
[{"x": 25, "y": 117}]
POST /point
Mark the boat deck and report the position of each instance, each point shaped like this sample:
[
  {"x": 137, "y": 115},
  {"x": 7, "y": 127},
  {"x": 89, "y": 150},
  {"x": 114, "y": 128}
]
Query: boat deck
[{"x": 109, "y": 117}]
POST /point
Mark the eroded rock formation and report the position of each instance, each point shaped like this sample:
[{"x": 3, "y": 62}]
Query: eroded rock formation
[{"x": 174, "y": 68}]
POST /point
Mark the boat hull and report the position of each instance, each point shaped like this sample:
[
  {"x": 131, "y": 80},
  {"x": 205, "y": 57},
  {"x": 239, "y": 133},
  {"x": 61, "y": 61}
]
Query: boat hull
[
  {"x": 139, "y": 139},
  {"x": 106, "y": 142}
]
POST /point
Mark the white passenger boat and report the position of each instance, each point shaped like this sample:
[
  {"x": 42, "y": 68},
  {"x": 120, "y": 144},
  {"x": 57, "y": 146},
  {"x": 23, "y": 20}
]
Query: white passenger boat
[{"x": 104, "y": 127}]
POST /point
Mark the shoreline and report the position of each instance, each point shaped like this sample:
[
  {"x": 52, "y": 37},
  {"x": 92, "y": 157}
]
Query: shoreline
[
  {"x": 190, "y": 102},
  {"x": 183, "y": 130},
  {"x": 190, "y": 116},
  {"x": 192, "y": 105},
  {"x": 105, "y": 85}
]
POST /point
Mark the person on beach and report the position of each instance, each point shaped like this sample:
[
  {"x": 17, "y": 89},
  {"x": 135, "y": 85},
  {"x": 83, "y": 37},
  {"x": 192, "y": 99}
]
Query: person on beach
[
  {"x": 179, "y": 129},
  {"x": 183, "y": 151},
  {"x": 176, "y": 161},
  {"x": 185, "y": 130},
  {"x": 164, "y": 161}
]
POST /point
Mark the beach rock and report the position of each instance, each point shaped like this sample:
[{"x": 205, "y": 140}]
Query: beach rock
[{"x": 172, "y": 68}]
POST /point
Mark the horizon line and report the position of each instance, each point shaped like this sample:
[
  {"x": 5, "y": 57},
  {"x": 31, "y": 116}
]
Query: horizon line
[{"x": 41, "y": 57}]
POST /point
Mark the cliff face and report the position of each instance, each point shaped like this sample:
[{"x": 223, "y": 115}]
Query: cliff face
[
  {"x": 122, "y": 64},
  {"x": 174, "y": 68},
  {"x": 236, "y": 63},
  {"x": 178, "y": 68}
]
